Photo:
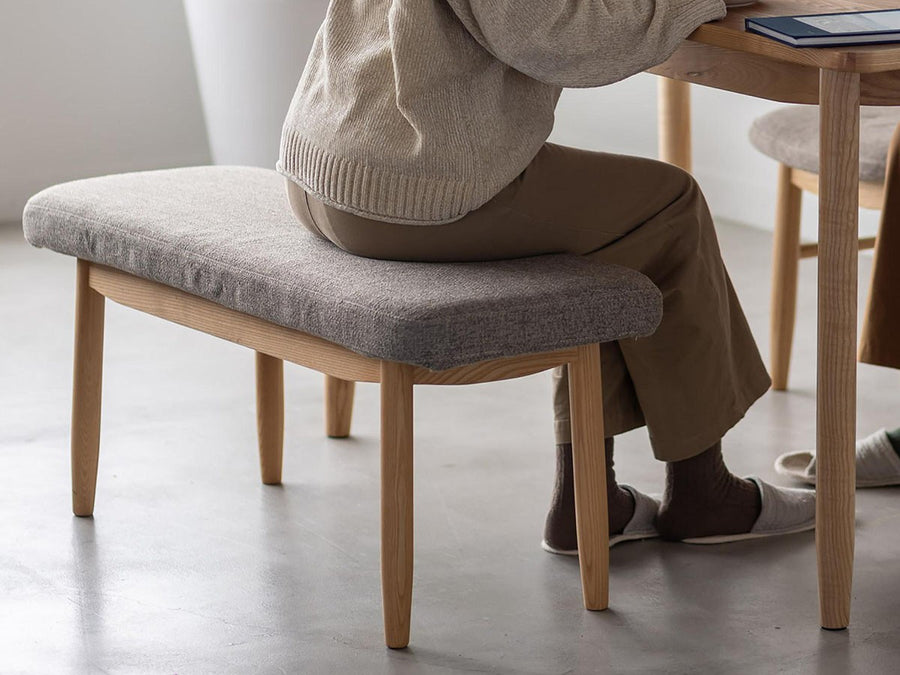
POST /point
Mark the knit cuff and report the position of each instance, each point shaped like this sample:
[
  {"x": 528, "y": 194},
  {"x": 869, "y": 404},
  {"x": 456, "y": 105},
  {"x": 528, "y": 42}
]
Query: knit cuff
[{"x": 371, "y": 191}]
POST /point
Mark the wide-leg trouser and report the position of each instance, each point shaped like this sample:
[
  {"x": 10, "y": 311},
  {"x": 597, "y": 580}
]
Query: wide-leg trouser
[{"x": 689, "y": 382}]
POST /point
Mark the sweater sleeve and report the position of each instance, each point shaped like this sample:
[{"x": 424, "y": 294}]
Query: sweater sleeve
[{"x": 583, "y": 43}]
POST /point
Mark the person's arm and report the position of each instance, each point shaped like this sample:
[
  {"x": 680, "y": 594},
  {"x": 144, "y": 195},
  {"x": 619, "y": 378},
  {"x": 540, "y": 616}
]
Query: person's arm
[{"x": 583, "y": 43}]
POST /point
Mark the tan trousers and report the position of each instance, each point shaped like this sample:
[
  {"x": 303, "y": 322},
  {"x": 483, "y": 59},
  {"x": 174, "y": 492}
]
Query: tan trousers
[
  {"x": 689, "y": 382},
  {"x": 880, "y": 340}
]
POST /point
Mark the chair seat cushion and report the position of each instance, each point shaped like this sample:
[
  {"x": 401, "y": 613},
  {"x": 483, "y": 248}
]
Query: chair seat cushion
[
  {"x": 791, "y": 136},
  {"x": 227, "y": 234}
]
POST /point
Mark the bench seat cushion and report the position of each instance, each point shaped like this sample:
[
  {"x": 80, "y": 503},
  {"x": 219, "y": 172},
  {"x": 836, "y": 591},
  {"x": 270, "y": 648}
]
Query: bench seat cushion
[
  {"x": 791, "y": 136},
  {"x": 227, "y": 234}
]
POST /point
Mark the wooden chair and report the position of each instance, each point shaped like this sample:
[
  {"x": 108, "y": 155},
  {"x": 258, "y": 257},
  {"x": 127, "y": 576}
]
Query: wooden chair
[
  {"x": 217, "y": 249},
  {"x": 790, "y": 135}
]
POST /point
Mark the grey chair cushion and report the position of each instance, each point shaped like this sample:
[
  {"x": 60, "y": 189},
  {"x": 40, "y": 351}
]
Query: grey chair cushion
[
  {"x": 791, "y": 136},
  {"x": 227, "y": 234}
]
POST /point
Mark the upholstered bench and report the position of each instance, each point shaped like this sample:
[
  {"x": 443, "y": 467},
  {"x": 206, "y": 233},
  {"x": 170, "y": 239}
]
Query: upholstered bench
[{"x": 217, "y": 249}]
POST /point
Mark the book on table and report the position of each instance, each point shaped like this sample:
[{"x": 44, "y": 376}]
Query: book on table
[{"x": 830, "y": 30}]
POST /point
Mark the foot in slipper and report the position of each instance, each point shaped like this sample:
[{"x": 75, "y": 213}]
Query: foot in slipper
[
  {"x": 639, "y": 527},
  {"x": 877, "y": 463},
  {"x": 784, "y": 511}
]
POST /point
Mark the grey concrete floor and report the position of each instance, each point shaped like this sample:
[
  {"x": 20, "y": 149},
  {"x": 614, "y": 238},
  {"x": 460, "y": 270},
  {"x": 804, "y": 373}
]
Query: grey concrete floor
[{"x": 191, "y": 565}]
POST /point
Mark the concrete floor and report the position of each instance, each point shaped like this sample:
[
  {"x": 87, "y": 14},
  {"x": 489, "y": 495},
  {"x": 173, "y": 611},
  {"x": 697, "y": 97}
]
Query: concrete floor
[{"x": 191, "y": 565}]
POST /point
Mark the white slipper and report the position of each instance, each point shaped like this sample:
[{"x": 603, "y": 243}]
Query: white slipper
[
  {"x": 639, "y": 527},
  {"x": 877, "y": 464},
  {"x": 784, "y": 511}
]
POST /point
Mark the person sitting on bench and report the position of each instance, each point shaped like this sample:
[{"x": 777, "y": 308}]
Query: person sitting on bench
[{"x": 418, "y": 132}]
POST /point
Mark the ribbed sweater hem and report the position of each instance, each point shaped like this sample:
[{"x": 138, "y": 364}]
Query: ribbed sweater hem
[{"x": 386, "y": 195}]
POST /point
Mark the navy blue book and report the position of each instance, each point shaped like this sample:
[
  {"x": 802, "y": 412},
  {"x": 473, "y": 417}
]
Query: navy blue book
[{"x": 830, "y": 30}]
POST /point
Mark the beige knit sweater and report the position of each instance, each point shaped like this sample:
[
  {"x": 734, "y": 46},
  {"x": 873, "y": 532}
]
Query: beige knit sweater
[{"x": 419, "y": 111}]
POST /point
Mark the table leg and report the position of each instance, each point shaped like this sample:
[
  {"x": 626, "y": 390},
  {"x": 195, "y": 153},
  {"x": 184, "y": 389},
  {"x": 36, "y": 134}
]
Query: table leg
[
  {"x": 836, "y": 392},
  {"x": 674, "y": 120}
]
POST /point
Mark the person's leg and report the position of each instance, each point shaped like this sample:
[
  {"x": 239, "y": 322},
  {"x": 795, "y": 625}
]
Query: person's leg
[
  {"x": 704, "y": 498},
  {"x": 695, "y": 377},
  {"x": 559, "y": 528},
  {"x": 698, "y": 374}
]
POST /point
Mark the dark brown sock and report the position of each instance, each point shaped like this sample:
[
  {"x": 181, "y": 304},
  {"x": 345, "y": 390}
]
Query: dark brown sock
[
  {"x": 703, "y": 498},
  {"x": 559, "y": 529}
]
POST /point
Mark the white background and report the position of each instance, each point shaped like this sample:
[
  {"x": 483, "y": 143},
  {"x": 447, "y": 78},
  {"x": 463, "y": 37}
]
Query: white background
[
  {"x": 97, "y": 86},
  {"x": 89, "y": 87}
]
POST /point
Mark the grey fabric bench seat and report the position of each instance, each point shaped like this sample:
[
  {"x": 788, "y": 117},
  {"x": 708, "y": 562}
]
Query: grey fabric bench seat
[
  {"x": 226, "y": 234},
  {"x": 217, "y": 249}
]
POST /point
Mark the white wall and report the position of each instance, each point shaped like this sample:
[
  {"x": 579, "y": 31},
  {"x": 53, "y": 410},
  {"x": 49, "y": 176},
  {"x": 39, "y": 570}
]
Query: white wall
[
  {"x": 93, "y": 87},
  {"x": 738, "y": 181},
  {"x": 99, "y": 86},
  {"x": 249, "y": 57}
]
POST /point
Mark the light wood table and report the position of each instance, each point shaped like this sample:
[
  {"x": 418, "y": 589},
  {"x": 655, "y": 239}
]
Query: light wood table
[{"x": 723, "y": 55}]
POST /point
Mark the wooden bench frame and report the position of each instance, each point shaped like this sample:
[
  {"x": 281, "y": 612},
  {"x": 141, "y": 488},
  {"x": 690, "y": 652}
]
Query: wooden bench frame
[{"x": 275, "y": 344}]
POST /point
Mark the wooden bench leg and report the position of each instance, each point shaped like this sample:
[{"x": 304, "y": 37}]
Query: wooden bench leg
[
  {"x": 270, "y": 416},
  {"x": 785, "y": 260},
  {"x": 396, "y": 501},
  {"x": 338, "y": 406},
  {"x": 589, "y": 459},
  {"x": 87, "y": 387}
]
